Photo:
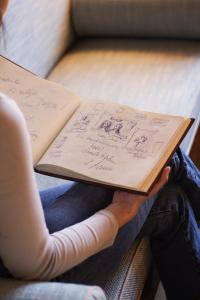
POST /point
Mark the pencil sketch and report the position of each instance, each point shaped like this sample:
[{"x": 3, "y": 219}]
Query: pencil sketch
[
  {"x": 9, "y": 80},
  {"x": 55, "y": 153},
  {"x": 60, "y": 141},
  {"x": 28, "y": 97},
  {"x": 81, "y": 123},
  {"x": 47, "y": 104},
  {"x": 159, "y": 122},
  {"x": 101, "y": 161},
  {"x": 28, "y": 93},
  {"x": 115, "y": 128},
  {"x": 140, "y": 141},
  {"x": 105, "y": 130},
  {"x": 143, "y": 143}
]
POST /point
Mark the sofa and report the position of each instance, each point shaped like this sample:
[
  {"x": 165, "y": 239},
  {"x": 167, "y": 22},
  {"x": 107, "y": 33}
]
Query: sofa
[{"x": 142, "y": 53}]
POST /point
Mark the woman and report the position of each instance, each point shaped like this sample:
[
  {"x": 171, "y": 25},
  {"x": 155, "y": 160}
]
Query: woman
[
  {"x": 27, "y": 249},
  {"x": 34, "y": 247},
  {"x": 69, "y": 232}
]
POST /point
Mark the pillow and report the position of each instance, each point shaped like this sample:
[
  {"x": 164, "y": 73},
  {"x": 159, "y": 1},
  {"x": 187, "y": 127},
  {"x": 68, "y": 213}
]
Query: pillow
[
  {"x": 137, "y": 18},
  {"x": 11, "y": 289}
]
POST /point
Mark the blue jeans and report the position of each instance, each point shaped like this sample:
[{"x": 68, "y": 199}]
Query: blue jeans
[
  {"x": 75, "y": 202},
  {"x": 174, "y": 233},
  {"x": 171, "y": 226},
  {"x": 175, "y": 243}
]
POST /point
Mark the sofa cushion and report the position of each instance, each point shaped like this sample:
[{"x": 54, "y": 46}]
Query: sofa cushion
[
  {"x": 21, "y": 290},
  {"x": 128, "y": 281},
  {"x": 160, "y": 18},
  {"x": 157, "y": 75},
  {"x": 36, "y": 33}
]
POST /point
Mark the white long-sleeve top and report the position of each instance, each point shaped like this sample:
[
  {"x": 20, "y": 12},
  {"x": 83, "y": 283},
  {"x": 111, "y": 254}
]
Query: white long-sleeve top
[{"x": 26, "y": 247}]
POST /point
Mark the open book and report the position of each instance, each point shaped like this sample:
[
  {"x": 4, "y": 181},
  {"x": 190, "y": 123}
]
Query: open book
[{"x": 96, "y": 142}]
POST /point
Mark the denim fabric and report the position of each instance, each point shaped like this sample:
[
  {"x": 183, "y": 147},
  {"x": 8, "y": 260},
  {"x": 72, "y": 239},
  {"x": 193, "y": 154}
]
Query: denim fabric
[
  {"x": 174, "y": 234},
  {"x": 175, "y": 244},
  {"x": 187, "y": 176},
  {"x": 171, "y": 219},
  {"x": 171, "y": 225},
  {"x": 78, "y": 202},
  {"x": 50, "y": 195}
]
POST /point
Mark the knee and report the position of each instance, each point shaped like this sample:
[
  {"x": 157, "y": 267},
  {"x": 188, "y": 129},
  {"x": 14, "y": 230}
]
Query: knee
[
  {"x": 172, "y": 199},
  {"x": 169, "y": 195},
  {"x": 169, "y": 211}
]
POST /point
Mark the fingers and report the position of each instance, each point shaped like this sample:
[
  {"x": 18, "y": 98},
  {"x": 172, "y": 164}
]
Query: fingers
[
  {"x": 120, "y": 196},
  {"x": 164, "y": 176},
  {"x": 161, "y": 182}
]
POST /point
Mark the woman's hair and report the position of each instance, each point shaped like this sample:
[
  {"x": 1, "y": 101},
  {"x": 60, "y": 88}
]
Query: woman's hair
[
  {"x": 1, "y": 19},
  {"x": 3, "y": 6}
]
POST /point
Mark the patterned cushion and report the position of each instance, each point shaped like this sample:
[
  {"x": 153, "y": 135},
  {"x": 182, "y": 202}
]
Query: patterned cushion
[
  {"x": 152, "y": 18},
  {"x": 36, "y": 33},
  {"x": 19, "y": 290},
  {"x": 153, "y": 75},
  {"x": 129, "y": 279}
]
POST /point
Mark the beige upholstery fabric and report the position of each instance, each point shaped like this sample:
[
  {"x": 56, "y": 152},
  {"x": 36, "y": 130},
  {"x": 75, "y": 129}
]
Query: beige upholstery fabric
[
  {"x": 163, "y": 18},
  {"x": 36, "y": 33},
  {"x": 152, "y": 75}
]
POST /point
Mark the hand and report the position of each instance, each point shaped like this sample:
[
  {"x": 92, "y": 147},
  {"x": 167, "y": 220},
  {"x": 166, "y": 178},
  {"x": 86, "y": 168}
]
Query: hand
[{"x": 125, "y": 205}]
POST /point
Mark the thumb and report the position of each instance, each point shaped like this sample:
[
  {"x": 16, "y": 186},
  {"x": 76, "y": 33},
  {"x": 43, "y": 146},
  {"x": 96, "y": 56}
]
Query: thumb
[{"x": 161, "y": 182}]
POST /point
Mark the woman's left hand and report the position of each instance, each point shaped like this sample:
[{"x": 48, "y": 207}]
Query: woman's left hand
[{"x": 125, "y": 205}]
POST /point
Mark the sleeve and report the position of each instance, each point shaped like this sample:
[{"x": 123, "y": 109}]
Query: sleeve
[
  {"x": 26, "y": 247},
  {"x": 76, "y": 243}
]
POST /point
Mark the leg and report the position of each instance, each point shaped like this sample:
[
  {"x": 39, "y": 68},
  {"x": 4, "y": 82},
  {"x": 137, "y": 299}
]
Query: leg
[
  {"x": 175, "y": 243},
  {"x": 72, "y": 204},
  {"x": 49, "y": 196},
  {"x": 107, "y": 261},
  {"x": 78, "y": 203},
  {"x": 187, "y": 176}
]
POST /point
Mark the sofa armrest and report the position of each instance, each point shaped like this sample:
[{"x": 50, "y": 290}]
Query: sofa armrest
[
  {"x": 133, "y": 18},
  {"x": 20, "y": 290},
  {"x": 37, "y": 33}
]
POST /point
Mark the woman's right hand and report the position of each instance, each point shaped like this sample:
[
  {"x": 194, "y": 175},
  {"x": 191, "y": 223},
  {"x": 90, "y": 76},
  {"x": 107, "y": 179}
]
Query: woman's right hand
[{"x": 125, "y": 205}]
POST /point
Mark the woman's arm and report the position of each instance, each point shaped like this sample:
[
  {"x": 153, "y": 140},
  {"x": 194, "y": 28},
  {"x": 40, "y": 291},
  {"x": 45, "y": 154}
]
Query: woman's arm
[{"x": 26, "y": 247}]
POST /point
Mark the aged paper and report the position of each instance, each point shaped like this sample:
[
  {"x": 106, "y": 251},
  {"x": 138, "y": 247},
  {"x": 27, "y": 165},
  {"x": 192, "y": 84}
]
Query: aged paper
[
  {"x": 46, "y": 105},
  {"x": 112, "y": 143}
]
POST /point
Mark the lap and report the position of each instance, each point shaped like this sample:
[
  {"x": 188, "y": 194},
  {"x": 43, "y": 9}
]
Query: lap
[
  {"x": 78, "y": 202},
  {"x": 75, "y": 202},
  {"x": 97, "y": 269},
  {"x": 169, "y": 211},
  {"x": 72, "y": 203}
]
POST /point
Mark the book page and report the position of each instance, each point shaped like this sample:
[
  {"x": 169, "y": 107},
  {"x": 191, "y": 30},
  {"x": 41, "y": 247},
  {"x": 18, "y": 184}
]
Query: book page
[
  {"x": 46, "y": 105},
  {"x": 112, "y": 143},
  {"x": 177, "y": 137}
]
